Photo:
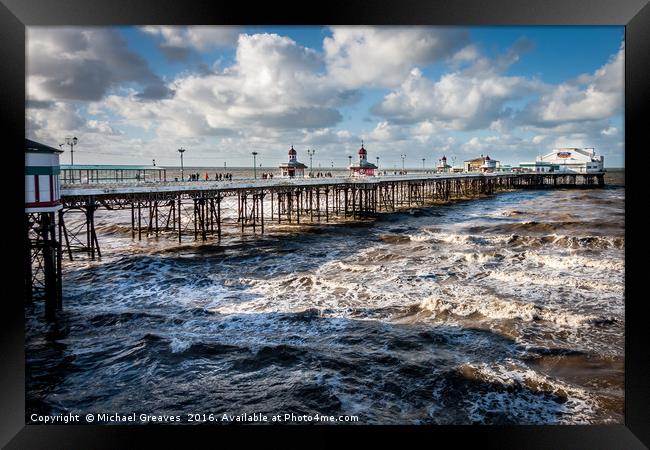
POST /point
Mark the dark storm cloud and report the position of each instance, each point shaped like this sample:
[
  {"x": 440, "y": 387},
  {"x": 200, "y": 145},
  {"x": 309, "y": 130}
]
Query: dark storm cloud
[
  {"x": 84, "y": 64},
  {"x": 155, "y": 92},
  {"x": 39, "y": 104},
  {"x": 176, "y": 54}
]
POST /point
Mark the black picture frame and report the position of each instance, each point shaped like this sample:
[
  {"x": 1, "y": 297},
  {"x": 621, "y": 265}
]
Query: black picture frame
[{"x": 15, "y": 15}]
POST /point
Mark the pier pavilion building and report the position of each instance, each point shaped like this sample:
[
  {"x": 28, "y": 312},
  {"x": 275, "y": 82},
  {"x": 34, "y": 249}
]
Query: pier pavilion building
[
  {"x": 363, "y": 167},
  {"x": 569, "y": 160},
  {"x": 481, "y": 164},
  {"x": 442, "y": 166},
  {"x": 292, "y": 168},
  {"x": 42, "y": 170}
]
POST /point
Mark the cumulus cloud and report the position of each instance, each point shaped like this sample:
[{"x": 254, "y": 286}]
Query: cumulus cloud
[
  {"x": 273, "y": 83},
  {"x": 465, "y": 99},
  {"x": 177, "y": 42},
  {"x": 589, "y": 97},
  {"x": 456, "y": 101},
  {"x": 84, "y": 64},
  {"x": 382, "y": 56},
  {"x": 59, "y": 117},
  {"x": 50, "y": 125},
  {"x": 466, "y": 54},
  {"x": 385, "y": 131}
]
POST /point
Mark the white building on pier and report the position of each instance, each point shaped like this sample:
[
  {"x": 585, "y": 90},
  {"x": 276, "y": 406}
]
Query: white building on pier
[{"x": 572, "y": 160}]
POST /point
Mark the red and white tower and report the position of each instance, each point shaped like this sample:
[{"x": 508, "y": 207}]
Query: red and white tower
[
  {"x": 363, "y": 167},
  {"x": 363, "y": 154}
]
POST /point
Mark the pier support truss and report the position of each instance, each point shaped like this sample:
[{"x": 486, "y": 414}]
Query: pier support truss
[{"x": 43, "y": 261}]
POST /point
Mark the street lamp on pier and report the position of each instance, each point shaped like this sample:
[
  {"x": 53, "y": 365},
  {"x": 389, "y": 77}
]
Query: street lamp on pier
[
  {"x": 377, "y": 158},
  {"x": 181, "y": 151},
  {"x": 423, "y": 162},
  {"x": 254, "y": 165},
  {"x": 402, "y": 156},
  {"x": 311, "y": 155},
  {"x": 71, "y": 141}
]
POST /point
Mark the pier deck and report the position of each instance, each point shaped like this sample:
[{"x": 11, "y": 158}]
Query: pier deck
[
  {"x": 71, "y": 190},
  {"x": 195, "y": 208}
]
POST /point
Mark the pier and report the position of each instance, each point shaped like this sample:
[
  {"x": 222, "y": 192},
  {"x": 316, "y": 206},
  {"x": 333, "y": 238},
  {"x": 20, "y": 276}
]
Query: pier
[
  {"x": 60, "y": 223},
  {"x": 195, "y": 210}
]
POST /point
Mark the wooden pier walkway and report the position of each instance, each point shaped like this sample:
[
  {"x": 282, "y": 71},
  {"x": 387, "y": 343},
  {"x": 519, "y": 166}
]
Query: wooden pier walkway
[{"x": 196, "y": 208}]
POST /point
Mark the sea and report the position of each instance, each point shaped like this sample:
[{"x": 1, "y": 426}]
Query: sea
[{"x": 507, "y": 309}]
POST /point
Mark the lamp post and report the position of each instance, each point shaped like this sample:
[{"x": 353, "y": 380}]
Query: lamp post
[
  {"x": 181, "y": 151},
  {"x": 311, "y": 154},
  {"x": 423, "y": 162},
  {"x": 402, "y": 156},
  {"x": 377, "y": 158},
  {"x": 254, "y": 165},
  {"x": 71, "y": 141},
  {"x": 154, "y": 162},
  {"x": 350, "y": 163}
]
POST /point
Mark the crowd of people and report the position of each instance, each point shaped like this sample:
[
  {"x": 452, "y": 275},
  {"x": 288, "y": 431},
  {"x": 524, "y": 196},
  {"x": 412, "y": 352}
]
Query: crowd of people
[
  {"x": 217, "y": 177},
  {"x": 228, "y": 176},
  {"x": 320, "y": 174},
  {"x": 268, "y": 175}
]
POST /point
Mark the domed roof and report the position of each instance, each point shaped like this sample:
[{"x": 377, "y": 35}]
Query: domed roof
[
  {"x": 362, "y": 151},
  {"x": 292, "y": 151},
  {"x": 487, "y": 158}
]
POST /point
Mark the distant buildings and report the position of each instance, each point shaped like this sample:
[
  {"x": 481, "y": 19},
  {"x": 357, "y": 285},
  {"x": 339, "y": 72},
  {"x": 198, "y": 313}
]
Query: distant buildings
[
  {"x": 293, "y": 168},
  {"x": 559, "y": 160},
  {"x": 506, "y": 168},
  {"x": 363, "y": 167},
  {"x": 442, "y": 166},
  {"x": 482, "y": 164},
  {"x": 567, "y": 160}
]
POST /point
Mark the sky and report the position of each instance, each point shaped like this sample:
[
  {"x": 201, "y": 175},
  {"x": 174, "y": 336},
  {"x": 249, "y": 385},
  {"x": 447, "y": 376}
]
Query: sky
[{"x": 134, "y": 94}]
